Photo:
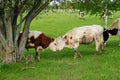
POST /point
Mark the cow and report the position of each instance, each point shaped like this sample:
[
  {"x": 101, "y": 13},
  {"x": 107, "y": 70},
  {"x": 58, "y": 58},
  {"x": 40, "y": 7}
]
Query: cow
[
  {"x": 80, "y": 35},
  {"x": 82, "y": 14},
  {"x": 113, "y": 29},
  {"x": 37, "y": 40}
]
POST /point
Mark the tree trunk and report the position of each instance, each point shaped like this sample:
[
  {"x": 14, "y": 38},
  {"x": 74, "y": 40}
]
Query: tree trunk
[
  {"x": 6, "y": 52},
  {"x": 10, "y": 26},
  {"x": 106, "y": 17},
  {"x": 23, "y": 40},
  {"x": 106, "y": 20}
]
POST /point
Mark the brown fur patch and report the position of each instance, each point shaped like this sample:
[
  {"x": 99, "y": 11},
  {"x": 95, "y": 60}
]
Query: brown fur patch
[
  {"x": 67, "y": 43},
  {"x": 71, "y": 37},
  {"x": 32, "y": 39},
  {"x": 43, "y": 40}
]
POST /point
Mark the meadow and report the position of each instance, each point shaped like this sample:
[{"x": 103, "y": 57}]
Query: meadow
[{"x": 60, "y": 65}]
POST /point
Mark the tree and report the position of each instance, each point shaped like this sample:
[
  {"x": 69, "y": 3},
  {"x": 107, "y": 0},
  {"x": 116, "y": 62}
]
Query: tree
[
  {"x": 16, "y": 16},
  {"x": 98, "y": 7}
]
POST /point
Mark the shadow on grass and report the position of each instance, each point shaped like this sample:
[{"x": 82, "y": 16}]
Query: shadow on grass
[
  {"x": 85, "y": 50},
  {"x": 67, "y": 53}
]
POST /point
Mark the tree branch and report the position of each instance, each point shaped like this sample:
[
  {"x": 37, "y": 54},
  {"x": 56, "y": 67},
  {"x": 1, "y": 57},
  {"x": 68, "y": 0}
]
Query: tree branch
[
  {"x": 37, "y": 8},
  {"x": 4, "y": 43}
]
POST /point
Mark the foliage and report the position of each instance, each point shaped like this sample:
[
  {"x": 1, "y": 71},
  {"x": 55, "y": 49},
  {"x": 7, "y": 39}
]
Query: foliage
[{"x": 99, "y": 6}]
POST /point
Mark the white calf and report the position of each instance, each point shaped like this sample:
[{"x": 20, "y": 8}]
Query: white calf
[{"x": 80, "y": 35}]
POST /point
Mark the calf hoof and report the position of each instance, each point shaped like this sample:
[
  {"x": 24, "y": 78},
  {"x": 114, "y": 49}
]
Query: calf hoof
[
  {"x": 37, "y": 58},
  {"x": 74, "y": 57},
  {"x": 102, "y": 52},
  {"x": 95, "y": 55}
]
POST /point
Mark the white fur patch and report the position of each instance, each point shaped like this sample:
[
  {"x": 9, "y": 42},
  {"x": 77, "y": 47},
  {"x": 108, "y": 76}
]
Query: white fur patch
[
  {"x": 57, "y": 44},
  {"x": 39, "y": 48},
  {"x": 31, "y": 44},
  {"x": 34, "y": 33}
]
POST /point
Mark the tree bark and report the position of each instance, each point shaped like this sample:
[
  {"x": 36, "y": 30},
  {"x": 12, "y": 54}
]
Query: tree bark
[{"x": 23, "y": 40}]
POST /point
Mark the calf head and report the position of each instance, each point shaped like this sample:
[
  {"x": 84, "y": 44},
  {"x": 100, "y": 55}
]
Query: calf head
[
  {"x": 30, "y": 42},
  {"x": 57, "y": 44}
]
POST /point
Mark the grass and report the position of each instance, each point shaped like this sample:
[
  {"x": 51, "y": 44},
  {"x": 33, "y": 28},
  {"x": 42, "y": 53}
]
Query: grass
[{"x": 60, "y": 65}]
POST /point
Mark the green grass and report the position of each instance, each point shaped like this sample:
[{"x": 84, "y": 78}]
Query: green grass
[{"x": 60, "y": 65}]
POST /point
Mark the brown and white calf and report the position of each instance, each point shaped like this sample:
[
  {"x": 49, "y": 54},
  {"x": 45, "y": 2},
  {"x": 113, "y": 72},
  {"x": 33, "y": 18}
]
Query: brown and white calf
[
  {"x": 39, "y": 41},
  {"x": 80, "y": 35},
  {"x": 113, "y": 29}
]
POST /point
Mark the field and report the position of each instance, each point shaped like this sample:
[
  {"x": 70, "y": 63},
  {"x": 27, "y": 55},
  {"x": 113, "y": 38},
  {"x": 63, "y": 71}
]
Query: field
[{"x": 60, "y": 65}]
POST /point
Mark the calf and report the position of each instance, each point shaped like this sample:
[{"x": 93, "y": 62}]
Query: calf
[
  {"x": 113, "y": 29},
  {"x": 39, "y": 41},
  {"x": 80, "y": 35}
]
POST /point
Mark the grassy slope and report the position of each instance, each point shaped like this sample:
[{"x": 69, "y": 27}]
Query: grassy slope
[{"x": 60, "y": 65}]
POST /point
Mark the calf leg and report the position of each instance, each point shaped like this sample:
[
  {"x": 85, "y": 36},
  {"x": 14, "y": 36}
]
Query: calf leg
[
  {"x": 37, "y": 49},
  {"x": 76, "y": 53},
  {"x": 96, "y": 52},
  {"x": 37, "y": 56},
  {"x": 98, "y": 44},
  {"x": 102, "y": 47}
]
